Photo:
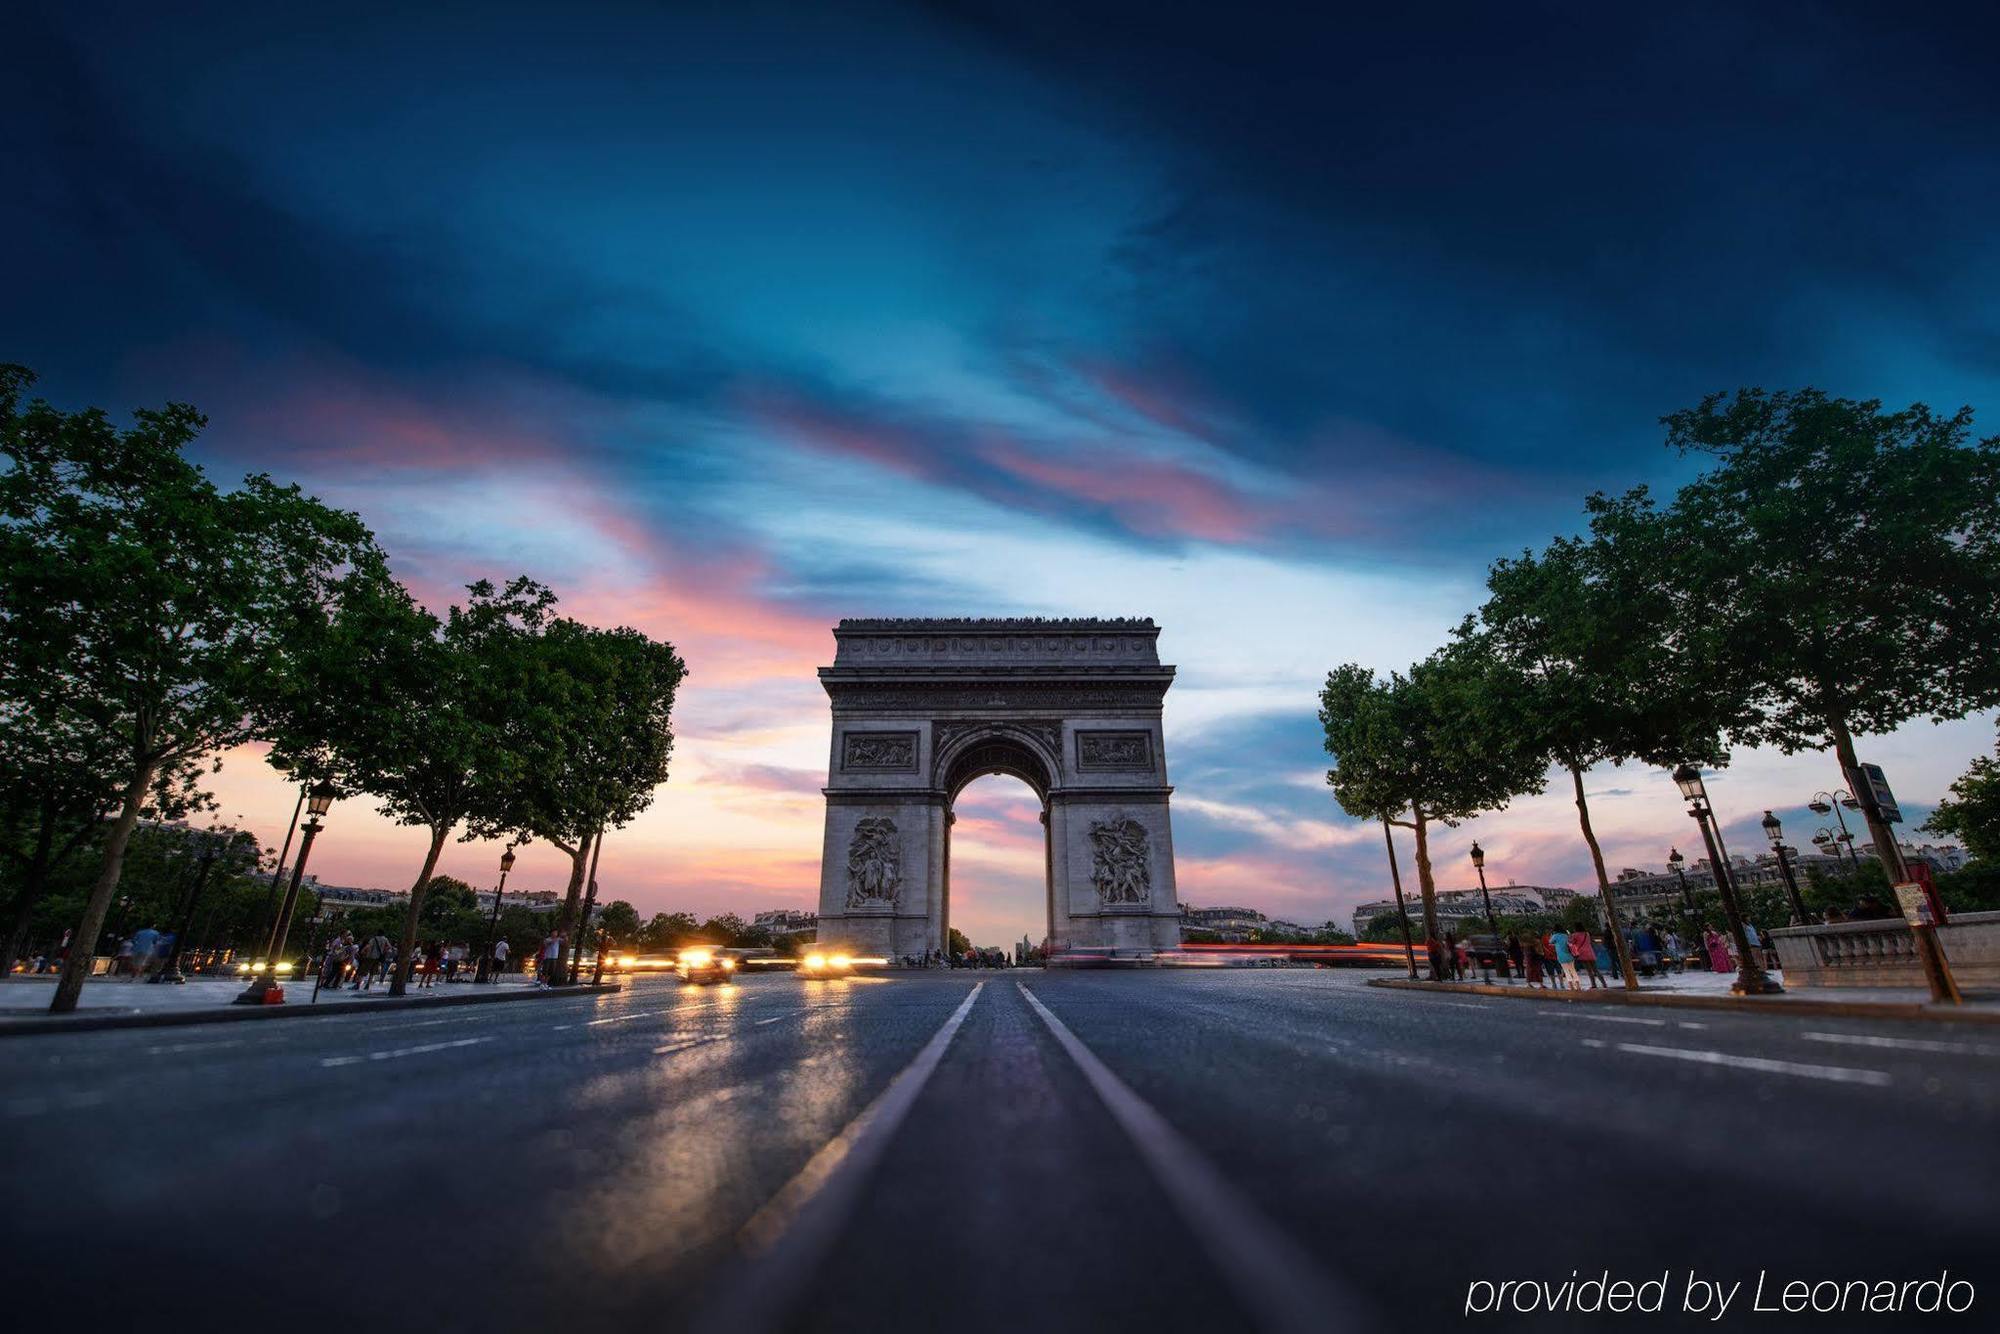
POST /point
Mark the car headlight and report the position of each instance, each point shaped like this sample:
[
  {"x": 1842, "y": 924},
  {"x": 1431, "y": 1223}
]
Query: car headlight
[
  {"x": 696, "y": 958},
  {"x": 728, "y": 964},
  {"x": 815, "y": 961},
  {"x": 840, "y": 961}
]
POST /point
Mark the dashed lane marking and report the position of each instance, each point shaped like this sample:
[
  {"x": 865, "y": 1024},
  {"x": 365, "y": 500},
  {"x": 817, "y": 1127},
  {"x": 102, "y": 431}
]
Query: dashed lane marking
[
  {"x": 1273, "y": 1276},
  {"x": 786, "y": 1241},
  {"x": 331, "y": 1062},
  {"x": 1836, "y": 1074},
  {"x": 1613, "y": 1018},
  {"x": 1906, "y": 1044}
]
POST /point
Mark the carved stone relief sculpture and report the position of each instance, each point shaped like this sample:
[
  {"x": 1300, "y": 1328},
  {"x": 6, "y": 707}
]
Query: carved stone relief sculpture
[
  {"x": 1119, "y": 860},
  {"x": 874, "y": 864}
]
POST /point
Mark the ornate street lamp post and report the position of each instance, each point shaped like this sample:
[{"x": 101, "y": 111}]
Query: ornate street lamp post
[
  {"x": 265, "y": 988},
  {"x": 1751, "y": 980},
  {"x": 1479, "y": 865},
  {"x": 1775, "y": 831},
  {"x": 1689, "y": 916},
  {"x": 487, "y": 972}
]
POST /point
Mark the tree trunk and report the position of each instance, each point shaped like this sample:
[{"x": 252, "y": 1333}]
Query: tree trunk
[
  {"x": 1402, "y": 913},
  {"x": 84, "y": 943},
  {"x": 400, "y": 983},
  {"x": 1427, "y": 888},
  {"x": 1611, "y": 923},
  {"x": 579, "y": 865},
  {"x": 1886, "y": 851}
]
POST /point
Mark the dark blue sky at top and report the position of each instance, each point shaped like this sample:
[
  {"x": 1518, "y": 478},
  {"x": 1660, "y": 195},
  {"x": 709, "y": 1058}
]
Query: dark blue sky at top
[{"x": 1391, "y": 249}]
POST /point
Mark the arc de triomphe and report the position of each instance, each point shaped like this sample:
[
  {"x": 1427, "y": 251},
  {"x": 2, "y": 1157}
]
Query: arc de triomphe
[{"x": 923, "y": 707}]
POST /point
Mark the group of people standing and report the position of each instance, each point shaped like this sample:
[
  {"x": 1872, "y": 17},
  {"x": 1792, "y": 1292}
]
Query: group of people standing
[{"x": 1581, "y": 958}]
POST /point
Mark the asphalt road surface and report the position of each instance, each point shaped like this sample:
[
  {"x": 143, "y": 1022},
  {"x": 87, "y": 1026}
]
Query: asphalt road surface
[{"x": 1212, "y": 1150}]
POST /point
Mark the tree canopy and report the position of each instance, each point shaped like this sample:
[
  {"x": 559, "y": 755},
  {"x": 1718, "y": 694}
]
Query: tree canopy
[{"x": 144, "y": 611}]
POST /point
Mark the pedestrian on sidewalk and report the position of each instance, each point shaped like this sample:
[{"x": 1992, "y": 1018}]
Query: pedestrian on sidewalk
[
  {"x": 1584, "y": 949},
  {"x": 1454, "y": 956},
  {"x": 1565, "y": 960},
  {"x": 499, "y": 958},
  {"x": 144, "y": 943},
  {"x": 372, "y": 955},
  {"x": 1717, "y": 949},
  {"x": 1527, "y": 959}
]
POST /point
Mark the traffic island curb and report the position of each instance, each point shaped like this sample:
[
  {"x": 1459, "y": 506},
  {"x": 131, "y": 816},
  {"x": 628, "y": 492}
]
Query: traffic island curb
[
  {"x": 1824, "y": 1009},
  {"x": 229, "y": 1014}
]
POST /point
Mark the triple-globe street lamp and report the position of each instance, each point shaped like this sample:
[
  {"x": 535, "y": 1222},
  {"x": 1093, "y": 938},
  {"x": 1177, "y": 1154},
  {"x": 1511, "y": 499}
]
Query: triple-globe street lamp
[
  {"x": 1830, "y": 803},
  {"x": 1751, "y": 980}
]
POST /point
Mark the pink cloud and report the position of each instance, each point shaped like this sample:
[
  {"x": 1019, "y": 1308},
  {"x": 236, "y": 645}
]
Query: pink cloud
[{"x": 1148, "y": 496}]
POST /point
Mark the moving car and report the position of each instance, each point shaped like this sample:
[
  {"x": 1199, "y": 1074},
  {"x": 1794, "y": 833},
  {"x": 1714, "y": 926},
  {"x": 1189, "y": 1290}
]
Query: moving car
[
  {"x": 700, "y": 964},
  {"x": 818, "y": 963}
]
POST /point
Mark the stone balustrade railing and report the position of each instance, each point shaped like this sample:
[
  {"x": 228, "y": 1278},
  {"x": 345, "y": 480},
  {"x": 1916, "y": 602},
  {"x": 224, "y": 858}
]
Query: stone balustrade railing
[{"x": 1884, "y": 953}]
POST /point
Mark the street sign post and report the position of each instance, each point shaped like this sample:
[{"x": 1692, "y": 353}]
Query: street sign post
[{"x": 1878, "y": 783}]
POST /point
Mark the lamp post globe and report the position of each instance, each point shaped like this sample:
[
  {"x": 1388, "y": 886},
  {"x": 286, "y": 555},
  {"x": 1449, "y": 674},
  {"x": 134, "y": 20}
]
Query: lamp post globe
[
  {"x": 1688, "y": 779},
  {"x": 1775, "y": 831}
]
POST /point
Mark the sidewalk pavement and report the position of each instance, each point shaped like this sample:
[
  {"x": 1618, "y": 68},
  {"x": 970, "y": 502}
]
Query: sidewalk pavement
[
  {"x": 116, "y": 1003},
  {"x": 1710, "y": 991}
]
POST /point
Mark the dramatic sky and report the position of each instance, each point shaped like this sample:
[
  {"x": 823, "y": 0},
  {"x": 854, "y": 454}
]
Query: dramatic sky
[{"x": 729, "y": 320}]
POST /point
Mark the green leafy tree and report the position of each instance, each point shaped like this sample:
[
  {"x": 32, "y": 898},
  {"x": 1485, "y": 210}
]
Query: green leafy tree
[
  {"x": 447, "y": 899},
  {"x": 1586, "y": 627},
  {"x": 594, "y": 736},
  {"x": 723, "y": 929},
  {"x": 1435, "y": 746},
  {"x": 1384, "y": 929},
  {"x": 619, "y": 921},
  {"x": 1848, "y": 560},
  {"x": 1971, "y": 814},
  {"x": 956, "y": 943},
  {"x": 418, "y": 712},
  {"x": 668, "y": 930},
  {"x": 144, "y": 605}
]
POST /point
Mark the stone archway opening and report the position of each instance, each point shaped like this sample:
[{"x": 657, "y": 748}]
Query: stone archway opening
[
  {"x": 997, "y": 861},
  {"x": 921, "y": 708}
]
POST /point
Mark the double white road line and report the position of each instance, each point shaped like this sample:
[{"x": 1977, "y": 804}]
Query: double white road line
[{"x": 786, "y": 1242}]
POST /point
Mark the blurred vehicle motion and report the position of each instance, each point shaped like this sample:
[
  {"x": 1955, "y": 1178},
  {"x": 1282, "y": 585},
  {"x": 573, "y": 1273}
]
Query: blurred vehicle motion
[{"x": 700, "y": 965}]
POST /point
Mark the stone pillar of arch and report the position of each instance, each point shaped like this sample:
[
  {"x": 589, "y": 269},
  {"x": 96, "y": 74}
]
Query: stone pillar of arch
[{"x": 923, "y": 707}]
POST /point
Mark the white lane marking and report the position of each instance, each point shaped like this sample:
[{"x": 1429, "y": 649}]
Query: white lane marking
[
  {"x": 1906, "y": 1044},
  {"x": 1462, "y": 1005},
  {"x": 1624, "y": 1019},
  {"x": 1598, "y": 1043},
  {"x": 177, "y": 1047},
  {"x": 1837, "y": 1074},
  {"x": 1272, "y": 1275},
  {"x": 789, "y": 1238},
  {"x": 1688, "y": 1023},
  {"x": 331, "y": 1061}
]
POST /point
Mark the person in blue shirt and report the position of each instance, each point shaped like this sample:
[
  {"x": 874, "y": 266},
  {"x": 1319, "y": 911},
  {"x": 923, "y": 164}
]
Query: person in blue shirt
[
  {"x": 144, "y": 942},
  {"x": 1565, "y": 960}
]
